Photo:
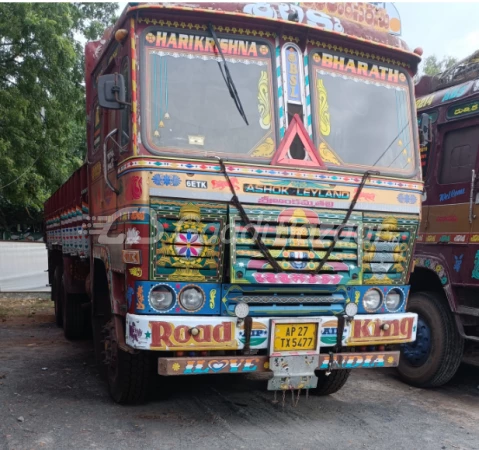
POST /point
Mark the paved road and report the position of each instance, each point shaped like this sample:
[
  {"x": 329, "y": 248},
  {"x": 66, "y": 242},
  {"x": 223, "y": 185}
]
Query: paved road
[{"x": 54, "y": 386}]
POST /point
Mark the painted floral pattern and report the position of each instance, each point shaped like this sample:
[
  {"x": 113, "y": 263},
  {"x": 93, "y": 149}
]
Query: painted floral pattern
[
  {"x": 132, "y": 236},
  {"x": 189, "y": 244},
  {"x": 166, "y": 180}
]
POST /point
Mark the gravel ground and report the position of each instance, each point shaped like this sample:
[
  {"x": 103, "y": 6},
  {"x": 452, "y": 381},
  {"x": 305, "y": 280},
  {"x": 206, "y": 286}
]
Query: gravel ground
[{"x": 51, "y": 396}]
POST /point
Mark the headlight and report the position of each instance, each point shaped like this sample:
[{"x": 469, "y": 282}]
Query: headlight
[
  {"x": 372, "y": 300},
  {"x": 192, "y": 298},
  {"x": 161, "y": 298},
  {"x": 351, "y": 309},
  {"x": 393, "y": 300}
]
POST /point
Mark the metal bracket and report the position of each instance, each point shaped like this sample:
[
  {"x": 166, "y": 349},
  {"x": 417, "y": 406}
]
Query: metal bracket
[{"x": 105, "y": 159}]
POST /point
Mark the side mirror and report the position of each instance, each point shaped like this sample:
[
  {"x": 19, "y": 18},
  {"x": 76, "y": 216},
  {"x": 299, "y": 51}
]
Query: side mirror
[
  {"x": 424, "y": 130},
  {"x": 111, "y": 91}
]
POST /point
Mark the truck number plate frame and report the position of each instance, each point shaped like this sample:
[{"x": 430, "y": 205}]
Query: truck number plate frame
[{"x": 295, "y": 336}]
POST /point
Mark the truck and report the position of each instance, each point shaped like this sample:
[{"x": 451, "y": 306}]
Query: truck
[
  {"x": 445, "y": 280},
  {"x": 250, "y": 197}
]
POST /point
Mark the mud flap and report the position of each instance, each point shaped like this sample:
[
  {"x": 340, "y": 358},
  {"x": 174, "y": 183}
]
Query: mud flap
[{"x": 293, "y": 372}]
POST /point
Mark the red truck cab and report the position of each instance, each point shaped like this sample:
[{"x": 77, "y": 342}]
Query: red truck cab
[
  {"x": 445, "y": 280},
  {"x": 251, "y": 195}
]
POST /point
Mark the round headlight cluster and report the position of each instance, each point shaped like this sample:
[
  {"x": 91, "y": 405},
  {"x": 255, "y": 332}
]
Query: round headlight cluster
[
  {"x": 372, "y": 300},
  {"x": 393, "y": 300},
  {"x": 161, "y": 298},
  {"x": 192, "y": 298}
]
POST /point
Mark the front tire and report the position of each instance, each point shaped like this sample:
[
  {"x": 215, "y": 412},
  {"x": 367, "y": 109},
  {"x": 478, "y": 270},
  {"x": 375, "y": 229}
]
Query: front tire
[
  {"x": 128, "y": 373},
  {"x": 330, "y": 384},
  {"x": 433, "y": 359}
]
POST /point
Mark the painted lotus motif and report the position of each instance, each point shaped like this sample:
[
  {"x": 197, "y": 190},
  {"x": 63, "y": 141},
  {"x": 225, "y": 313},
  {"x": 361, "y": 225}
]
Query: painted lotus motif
[
  {"x": 188, "y": 244},
  {"x": 132, "y": 236}
]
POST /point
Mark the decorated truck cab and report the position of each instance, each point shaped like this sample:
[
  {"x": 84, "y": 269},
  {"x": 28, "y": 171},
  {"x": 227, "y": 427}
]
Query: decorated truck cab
[
  {"x": 445, "y": 280},
  {"x": 251, "y": 195}
]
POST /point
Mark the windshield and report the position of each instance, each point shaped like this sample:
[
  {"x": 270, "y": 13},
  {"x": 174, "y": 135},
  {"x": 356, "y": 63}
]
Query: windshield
[
  {"x": 187, "y": 107},
  {"x": 362, "y": 114}
]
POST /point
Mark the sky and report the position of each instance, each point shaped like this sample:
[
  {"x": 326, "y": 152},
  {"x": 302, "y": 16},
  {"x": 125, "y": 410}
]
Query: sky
[{"x": 441, "y": 29}]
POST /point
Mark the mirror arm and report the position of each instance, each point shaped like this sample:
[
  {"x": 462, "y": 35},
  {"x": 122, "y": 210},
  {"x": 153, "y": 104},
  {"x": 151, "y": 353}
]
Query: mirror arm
[
  {"x": 105, "y": 162},
  {"x": 116, "y": 90},
  {"x": 118, "y": 100}
]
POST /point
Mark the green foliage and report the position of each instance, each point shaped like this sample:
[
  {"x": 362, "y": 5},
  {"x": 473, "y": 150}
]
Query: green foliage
[
  {"x": 433, "y": 66},
  {"x": 42, "y": 98}
]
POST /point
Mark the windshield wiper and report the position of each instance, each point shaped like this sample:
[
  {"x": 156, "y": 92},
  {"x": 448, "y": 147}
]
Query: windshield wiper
[
  {"x": 227, "y": 76},
  {"x": 398, "y": 155},
  {"x": 343, "y": 224},
  {"x": 392, "y": 142},
  {"x": 244, "y": 217}
]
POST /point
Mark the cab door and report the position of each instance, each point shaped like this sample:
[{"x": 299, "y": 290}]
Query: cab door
[
  {"x": 449, "y": 201},
  {"x": 451, "y": 211},
  {"x": 470, "y": 271},
  {"x": 114, "y": 229},
  {"x": 428, "y": 160}
]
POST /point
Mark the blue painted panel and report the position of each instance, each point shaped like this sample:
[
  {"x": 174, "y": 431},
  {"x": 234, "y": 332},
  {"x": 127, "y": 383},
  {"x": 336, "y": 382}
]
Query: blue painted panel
[
  {"x": 357, "y": 293},
  {"x": 281, "y": 306},
  {"x": 340, "y": 296},
  {"x": 211, "y": 306}
]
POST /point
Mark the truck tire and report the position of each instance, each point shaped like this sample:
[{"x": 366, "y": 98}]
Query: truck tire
[
  {"x": 433, "y": 359},
  {"x": 57, "y": 294},
  {"x": 330, "y": 384},
  {"x": 73, "y": 315},
  {"x": 128, "y": 373}
]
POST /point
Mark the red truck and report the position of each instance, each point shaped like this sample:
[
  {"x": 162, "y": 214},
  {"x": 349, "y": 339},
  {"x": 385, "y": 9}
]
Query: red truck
[
  {"x": 251, "y": 195},
  {"x": 445, "y": 281}
]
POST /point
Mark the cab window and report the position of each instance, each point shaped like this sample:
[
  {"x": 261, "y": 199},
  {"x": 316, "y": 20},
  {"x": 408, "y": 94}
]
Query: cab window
[{"x": 459, "y": 155}]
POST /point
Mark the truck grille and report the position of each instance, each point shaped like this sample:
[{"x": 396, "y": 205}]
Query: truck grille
[
  {"x": 387, "y": 247},
  {"x": 189, "y": 246},
  {"x": 283, "y": 300},
  {"x": 298, "y": 240}
]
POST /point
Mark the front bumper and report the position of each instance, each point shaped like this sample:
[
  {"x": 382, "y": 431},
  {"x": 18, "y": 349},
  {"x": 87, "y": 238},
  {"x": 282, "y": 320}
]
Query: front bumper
[
  {"x": 172, "y": 333},
  {"x": 249, "y": 364}
]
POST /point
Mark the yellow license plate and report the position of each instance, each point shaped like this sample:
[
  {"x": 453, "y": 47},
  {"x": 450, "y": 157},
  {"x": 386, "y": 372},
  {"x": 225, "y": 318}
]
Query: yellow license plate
[{"x": 295, "y": 336}]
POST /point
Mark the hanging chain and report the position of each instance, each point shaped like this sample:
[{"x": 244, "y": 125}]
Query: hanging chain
[
  {"x": 343, "y": 224},
  {"x": 244, "y": 217},
  {"x": 295, "y": 403},
  {"x": 275, "y": 399}
]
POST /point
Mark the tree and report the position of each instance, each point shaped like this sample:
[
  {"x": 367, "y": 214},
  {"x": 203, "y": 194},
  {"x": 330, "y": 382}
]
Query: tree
[
  {"x": 42, "y": 99},
  {"x": 433, "y": 66}
]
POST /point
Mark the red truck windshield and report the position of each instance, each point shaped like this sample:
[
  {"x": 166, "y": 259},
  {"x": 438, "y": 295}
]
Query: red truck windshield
[{"x": 187, "y": 108}]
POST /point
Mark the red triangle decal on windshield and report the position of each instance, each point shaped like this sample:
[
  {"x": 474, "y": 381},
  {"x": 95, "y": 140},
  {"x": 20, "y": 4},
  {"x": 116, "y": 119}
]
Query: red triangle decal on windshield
[{"x": 282, "y": 156}]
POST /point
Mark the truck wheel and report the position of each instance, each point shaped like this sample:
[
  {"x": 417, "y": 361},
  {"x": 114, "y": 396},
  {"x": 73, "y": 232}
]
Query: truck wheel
[
  {"x": 127, "y": 373},
  {"x": 57, "y": 295},
  {"x": 73, "y": 316},
  {"x": 330, "y": 384},
  {"x": 433, "y": 359}
]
